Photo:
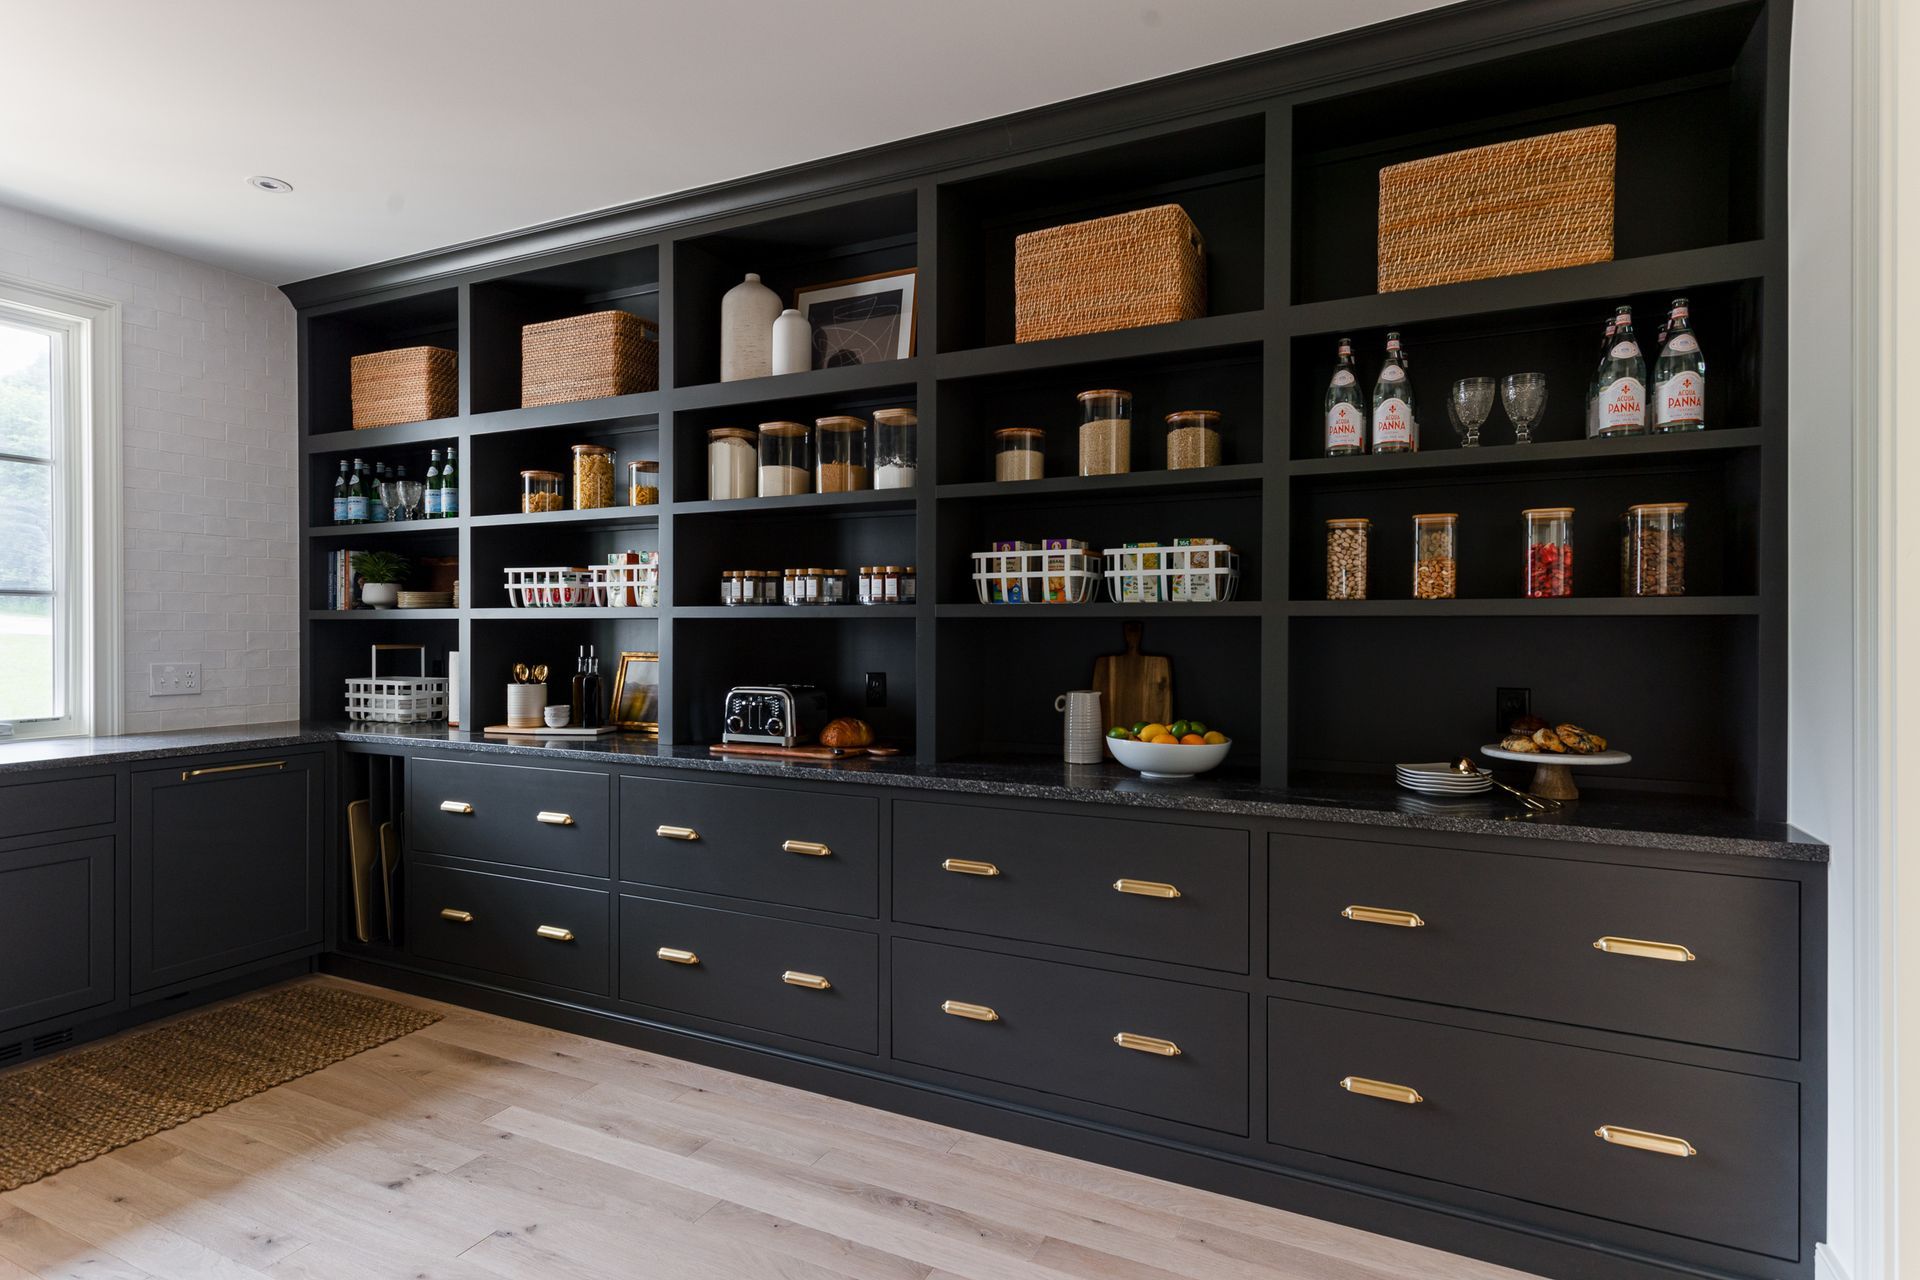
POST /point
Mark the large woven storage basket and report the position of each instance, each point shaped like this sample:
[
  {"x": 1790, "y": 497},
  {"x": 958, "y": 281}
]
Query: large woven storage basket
[
  {"x": 1529, "y": 205},
  {"x": 408, "y": 385},
  {"x": 1144, "y": 267},
  {"x": 605, "y": 353}
]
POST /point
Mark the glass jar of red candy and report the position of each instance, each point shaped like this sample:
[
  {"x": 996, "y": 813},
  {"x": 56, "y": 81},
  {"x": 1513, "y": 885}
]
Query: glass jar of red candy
[{"x": 1549, "y": 552}]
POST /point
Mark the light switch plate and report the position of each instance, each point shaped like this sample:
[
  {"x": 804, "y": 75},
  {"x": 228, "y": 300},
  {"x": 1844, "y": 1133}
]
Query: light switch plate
[{"x": 173, "y": 679}]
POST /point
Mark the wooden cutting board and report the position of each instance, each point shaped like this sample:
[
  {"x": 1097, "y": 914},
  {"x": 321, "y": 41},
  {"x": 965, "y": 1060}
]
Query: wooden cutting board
[
  {"x": 1134, "y": 686},
  {"x": 799, "y": 753}
]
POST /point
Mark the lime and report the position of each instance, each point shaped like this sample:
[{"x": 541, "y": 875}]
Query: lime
[
  {"x": 1196, "y": 726},
  {"x": 1179, "y": 728},
  {"x": 1120, "y": 731}
]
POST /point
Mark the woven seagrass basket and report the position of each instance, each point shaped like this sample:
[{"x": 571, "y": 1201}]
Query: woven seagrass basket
[
  {"x": 1144, "y": 267},
  {"x": 411, "y": 384},
  {"x": 1528, "y": 205},
  {"x": 605, "y": 353}
]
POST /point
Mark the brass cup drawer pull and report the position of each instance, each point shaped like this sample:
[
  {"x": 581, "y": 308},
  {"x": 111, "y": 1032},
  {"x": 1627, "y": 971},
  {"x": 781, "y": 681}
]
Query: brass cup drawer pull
[
  {"x": 188, "y": 775},
  {"x": 1146, "y": 888},
  {"x": 456, "y": 915},
  {"x": 811, "y": 848},
  {"x": 1644, "y": 949},
  {"x": 1381, "y": 1089},
  {"x": 554, "y": 933},
  {"x": 676, "y": 833},
  {"x": 1147, "y": 1044},
  {"x": 968, "y": 867},
  {"x": 973, "y": 1012},
  {"x": 1640, "y": 1140},
  {"x": 553, "y": 819},
  {"x": 811, "y": 981},
  {"x": 1384, "y": 915},
  {"x": 674, "y": 955},
  {"x": 455, "y": 806}
]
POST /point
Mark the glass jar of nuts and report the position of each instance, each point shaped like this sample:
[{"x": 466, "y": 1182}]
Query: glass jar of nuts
[
  {"x": 1653, "y": 550},
  {"x": 1347, "y": 558},
  {"x": 540, "y": 491},
  {"x": 1436, "y": 572},
  {"x": 592, "y": 477}
]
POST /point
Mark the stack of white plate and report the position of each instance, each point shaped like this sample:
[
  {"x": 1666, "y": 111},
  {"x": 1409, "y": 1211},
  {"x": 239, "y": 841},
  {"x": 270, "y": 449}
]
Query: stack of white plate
[{"x": 1437, "y": 778}]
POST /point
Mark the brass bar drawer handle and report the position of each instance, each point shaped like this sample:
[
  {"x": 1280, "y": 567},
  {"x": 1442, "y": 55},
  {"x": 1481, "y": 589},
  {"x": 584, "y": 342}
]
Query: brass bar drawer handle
[
  {"x": 811, "y": 981},
  {"x": 455, "y": 806},
  {"x": 674, "y": 955},
  {"x": 456, "y": 915},
  {"x": 975, "y": 1012},
  {"x": 1146, "y": 888},
  {"x": 1644, "y": 949},
  {"x": 812, "y": 848},
  {"x": 1640, "y": 1140},
  {"x": 968, "y": 867},
  {"x": 676, "y": 833},
  {"x": 1381, "y": 1089},
  {"x": 554, "y": 933},
  {"x": 188, "y": 775},
  {"x": 1147, "y": 1044},
  {"x": 553, "y": 819},
  {"x": 1384, "y": 915}
]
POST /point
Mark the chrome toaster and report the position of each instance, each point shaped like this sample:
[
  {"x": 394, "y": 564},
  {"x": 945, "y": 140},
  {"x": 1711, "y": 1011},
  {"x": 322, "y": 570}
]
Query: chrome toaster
[{"x": 783, "y": 715}]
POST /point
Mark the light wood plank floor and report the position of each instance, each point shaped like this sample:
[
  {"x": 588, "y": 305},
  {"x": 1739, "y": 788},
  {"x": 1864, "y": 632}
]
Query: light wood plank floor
[{"x": 482, "y": 1148}]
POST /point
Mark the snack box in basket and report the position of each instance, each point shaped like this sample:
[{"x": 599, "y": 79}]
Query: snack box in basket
[
  {"x": 1058, "y": 591},
  {"x": 1138, "y": 587},
  {"x": 1009, "y": 593},
  {"x": 1200, "y": 587}
]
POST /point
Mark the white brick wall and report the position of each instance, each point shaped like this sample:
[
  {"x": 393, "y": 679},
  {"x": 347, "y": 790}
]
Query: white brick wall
[{"x": 210, "y": 441}]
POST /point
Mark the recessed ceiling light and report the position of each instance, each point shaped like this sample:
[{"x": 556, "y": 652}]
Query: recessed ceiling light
[{"x": 264, "y": 183}]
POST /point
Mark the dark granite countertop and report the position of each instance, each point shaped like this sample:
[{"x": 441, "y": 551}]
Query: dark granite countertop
[{"x": 1600, "y": 817}]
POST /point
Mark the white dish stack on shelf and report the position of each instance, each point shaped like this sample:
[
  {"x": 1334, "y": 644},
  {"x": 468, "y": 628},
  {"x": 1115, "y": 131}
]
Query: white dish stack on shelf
[
  {"x": 1439, "y": 778},
  {"x": 1201, "y": 573},
  {"x": 1058, "y": 575},
  {"x": 397, "y": 699}
]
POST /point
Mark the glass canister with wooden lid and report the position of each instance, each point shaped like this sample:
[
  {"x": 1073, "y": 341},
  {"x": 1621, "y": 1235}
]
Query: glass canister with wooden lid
[
  {"x": 1347, "y": 558},
  {"x": 732, "y": 463},
  {"x": 1653, "y": 549},
  {"x": 592, "y": 477},
  {"x": 540, "y": 492},
  {"x": 896, "y": 448},
  {"x": 786, "y": 461},
  {"x": 1106, "y": 433},
  {"x": 1019, "y": 453},
  {"x": 840, "y": 447},
  {"x": 643, "y": 484}
]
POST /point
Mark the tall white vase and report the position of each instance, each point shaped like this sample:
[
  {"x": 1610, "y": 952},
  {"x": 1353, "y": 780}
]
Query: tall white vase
[
  {"x": 792, "y": 343},
  {"x": 747, "y": 313}
]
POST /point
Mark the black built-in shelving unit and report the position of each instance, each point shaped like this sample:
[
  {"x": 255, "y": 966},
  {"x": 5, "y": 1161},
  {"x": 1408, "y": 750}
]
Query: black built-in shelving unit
[{"x": 1276, "y": 159}]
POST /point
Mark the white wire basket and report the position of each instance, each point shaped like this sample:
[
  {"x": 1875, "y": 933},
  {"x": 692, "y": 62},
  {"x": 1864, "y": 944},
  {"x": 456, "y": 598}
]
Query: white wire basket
[
  {"x": 628, "y": 586},
  {"x": 1068, "y": 575},
  {"x": 1206, "y": 573},
  {"x": 558, "y": 587},
  {"x": 397, "y": 699}
]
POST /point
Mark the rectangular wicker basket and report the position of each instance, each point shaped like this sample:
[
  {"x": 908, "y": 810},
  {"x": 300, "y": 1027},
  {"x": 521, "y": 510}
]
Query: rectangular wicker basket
[
  {"x": 604, "y": 353},
  {"x": 411, "y": 384},
  {"x": 1528, "y": 205},
  {"x": 1120, "y": 272}
]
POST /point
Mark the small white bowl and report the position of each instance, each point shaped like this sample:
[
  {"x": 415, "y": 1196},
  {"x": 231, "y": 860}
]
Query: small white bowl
[
  {"x": 558, "y": 715},
  {"x": 1168, "y": 759}
]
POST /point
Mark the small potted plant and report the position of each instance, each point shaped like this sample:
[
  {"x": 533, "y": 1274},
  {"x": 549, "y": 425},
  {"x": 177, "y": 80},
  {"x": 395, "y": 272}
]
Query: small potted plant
[{"x": 381, "y": 573}]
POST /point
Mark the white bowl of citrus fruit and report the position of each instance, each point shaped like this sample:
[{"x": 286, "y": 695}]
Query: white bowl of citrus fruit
[{"x": 1177, "y": 749}]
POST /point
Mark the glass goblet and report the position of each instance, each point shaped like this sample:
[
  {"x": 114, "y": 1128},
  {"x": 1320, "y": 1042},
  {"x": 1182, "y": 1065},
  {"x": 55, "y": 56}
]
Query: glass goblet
[
  {"x": 1469, "y": 405},
  {"x": 1525, "y": 397}
]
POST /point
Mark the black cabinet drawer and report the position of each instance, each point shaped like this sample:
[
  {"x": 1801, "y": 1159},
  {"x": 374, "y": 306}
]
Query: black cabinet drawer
[
  {"x": 1154, "y": 890},
  {"x": 553, "y": 819},
  {"x": 796, "y": 848},
  {"x": 1521, "y": 1118},
  {"x": 59, "y": 804},
  {"x": 56, "y": 929},
  {"x": 805, "y": 980},
  {"x": 549, "y": 933},
  {"x": 1513, "y": 933},
  {"x": 1058, "y": 1028}
]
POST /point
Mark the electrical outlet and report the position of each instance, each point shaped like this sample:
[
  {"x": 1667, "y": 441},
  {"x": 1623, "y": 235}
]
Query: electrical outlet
[
  {"x": 876, "y": 688},
  {"x": 173, "y": 679},
  {"x": 1509, "y": 705}
]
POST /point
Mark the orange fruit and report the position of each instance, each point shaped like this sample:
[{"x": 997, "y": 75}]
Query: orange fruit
[
  {"x": 1164, "y": 737},
  {"x": 1194, "y": 740}
]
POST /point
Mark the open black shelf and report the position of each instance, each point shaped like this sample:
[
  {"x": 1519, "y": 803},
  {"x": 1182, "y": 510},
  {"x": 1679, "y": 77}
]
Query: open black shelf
[
  {"x": 1628, "y": 450},
  {"x": 606, "y": 279}
]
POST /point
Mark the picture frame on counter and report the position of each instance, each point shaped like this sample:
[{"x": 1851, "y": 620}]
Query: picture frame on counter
[
  {"x": 636, "y": 693},
  {"x": 864, "y": 320}
]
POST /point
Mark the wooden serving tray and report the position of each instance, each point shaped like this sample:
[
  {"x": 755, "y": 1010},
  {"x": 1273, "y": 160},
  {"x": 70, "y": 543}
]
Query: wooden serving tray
[
  {"x": 768, "y": 750},
  {"x": 571, "y": 731}
]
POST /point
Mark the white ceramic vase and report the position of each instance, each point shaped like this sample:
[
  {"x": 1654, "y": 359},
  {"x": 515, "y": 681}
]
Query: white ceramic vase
[
  {"x": 792, "y": 343},
  {"x": 747, "y": 313},
  {"x": 379, "y": 595}
]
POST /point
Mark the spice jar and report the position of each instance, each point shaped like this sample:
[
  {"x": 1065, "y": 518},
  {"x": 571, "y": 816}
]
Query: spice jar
[
  {"x": 1193, "y": 439},
  {"x": 1019, "y": 453},
  {"x": 643, "y": 484},
  {"x": 731, "y": 586},
  {"x": 1106, "y": 433},
  {"x": 909, "y": 584},
  {"x": 592, "y": 477},
  {"x": 540, "y": 491},
  {"x": 1653, "y": 550},
  {"x": 842, "y": 447},
  {"x": 731, "y": 463},
  {"x": 833, "y": 586},
  {"x": 896, "y": 434},
  {"x": 786, "y": 462},
  {"x": 1436, "y": 573},
  {"x": 1549, "y": 552},
  {"x": 1347, "y": 558}
]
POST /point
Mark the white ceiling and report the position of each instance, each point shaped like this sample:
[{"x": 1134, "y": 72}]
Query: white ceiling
[{"x": 407, "y": 125}]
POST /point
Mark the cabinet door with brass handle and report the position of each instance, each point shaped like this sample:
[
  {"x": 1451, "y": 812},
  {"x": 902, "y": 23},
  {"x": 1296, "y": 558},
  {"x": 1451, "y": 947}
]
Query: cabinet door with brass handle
[{"x": 512, "y": 815}]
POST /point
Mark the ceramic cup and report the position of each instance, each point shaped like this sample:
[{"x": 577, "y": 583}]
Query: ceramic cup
[
  {"x": 1083, "y": 736},
  {"x": 558, "y": 714},
  {"x": 524, "y": 702}
]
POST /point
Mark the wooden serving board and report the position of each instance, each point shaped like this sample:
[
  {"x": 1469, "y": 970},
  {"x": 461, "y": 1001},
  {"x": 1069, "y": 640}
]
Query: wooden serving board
[
  {"x": 508, "y": 731},
  {"x": 1134, "y": 686},
  {"x": 769, "y": 751}
]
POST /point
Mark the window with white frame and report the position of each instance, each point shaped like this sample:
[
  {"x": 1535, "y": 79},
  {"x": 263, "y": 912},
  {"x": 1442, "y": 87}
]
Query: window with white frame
[{"x": 59, "y": 512}]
